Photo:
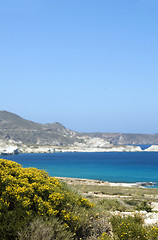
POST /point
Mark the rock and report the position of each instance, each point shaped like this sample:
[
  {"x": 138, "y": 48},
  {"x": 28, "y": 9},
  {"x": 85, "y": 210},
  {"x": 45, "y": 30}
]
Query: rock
[
  {"x": 92, "y": 143},
  {"x": 123, "y": 148},
  {"x": 9, "y": 150},
  {"x": 145, "y": 184},
  {"x": 152, "y": 148}
]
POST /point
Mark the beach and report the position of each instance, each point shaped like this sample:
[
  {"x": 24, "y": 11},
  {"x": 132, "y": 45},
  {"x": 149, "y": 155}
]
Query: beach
[{"x": 100, "y": 183}]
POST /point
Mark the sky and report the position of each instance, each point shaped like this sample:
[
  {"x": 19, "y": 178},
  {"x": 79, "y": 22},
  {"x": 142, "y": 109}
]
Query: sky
[{"x": 90, "y": 65}]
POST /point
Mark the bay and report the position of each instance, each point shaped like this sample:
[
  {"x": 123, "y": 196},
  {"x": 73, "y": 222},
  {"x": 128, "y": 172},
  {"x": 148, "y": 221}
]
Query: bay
[{"x": 113, "y": 167}]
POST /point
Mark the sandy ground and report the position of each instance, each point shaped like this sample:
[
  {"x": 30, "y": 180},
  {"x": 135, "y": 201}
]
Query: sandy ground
[{"x": 98, "y": 182}]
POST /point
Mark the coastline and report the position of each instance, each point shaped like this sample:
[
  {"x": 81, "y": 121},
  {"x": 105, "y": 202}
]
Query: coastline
[
  {"x": 122, "y": 193},
  {"x": 11, "y": 149},
  {"x": 92, "y": 179},
  {"x": 103, "y": 183},
  {"x": 64, "y": 149}
]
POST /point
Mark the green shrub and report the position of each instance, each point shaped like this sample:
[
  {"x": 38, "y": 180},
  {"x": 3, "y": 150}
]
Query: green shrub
[
  {"x": 28, "y": 193},
  {"x": 152, "y": 232},
  {"x": 144, "y": 206},
  {"x": 139, "y": 205},
  {"x": 132, "y": 202},
  {"x": 111, "y": 205},
  {"x": 105, "y": 236},
  {"x": 45, "y": 230},
  {"x": 132, "y": 228}
]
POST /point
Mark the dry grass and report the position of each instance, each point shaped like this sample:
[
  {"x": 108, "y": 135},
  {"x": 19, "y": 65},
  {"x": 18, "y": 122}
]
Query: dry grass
[{"x": 118, "y": 197}]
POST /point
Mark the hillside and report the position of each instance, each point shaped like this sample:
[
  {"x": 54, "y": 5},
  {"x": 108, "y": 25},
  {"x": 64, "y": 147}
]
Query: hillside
[
  {"x": 13, "y": 127},
  {"x": 18, "y": 129},
  {"x": 126, "y": 139}
]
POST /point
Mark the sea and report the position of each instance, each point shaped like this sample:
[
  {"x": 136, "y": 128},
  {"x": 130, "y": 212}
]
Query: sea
[{"x": 125, "y": 167}]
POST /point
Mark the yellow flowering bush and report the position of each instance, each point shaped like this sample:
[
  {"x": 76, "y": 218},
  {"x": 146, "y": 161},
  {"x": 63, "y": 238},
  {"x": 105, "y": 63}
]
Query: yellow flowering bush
[{"x": 28, "y": 192}]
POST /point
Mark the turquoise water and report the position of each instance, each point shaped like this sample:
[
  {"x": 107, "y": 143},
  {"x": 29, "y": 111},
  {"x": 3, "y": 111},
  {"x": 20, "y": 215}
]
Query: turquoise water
[{"x": 114, "y": 167}]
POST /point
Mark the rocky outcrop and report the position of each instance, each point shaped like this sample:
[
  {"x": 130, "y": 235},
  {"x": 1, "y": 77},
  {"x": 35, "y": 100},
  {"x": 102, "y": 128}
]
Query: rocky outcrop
[
  {"x": 123, "y": 148},
  {"x": 89, "y": 142},
  {"x": 10, "y": 150},
  {"x": 37, "y": 149},
  {"x": 152, "y": 148},
  {"x": 52, "y": 149},
  {"x": 8, "y": 147}
]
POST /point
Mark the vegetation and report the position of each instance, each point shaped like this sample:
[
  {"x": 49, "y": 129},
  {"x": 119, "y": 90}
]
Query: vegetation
[
  {"x": 136, "y": 193},
  {"x": 116, "y": 198},
  {"x": 34, "y": 205},
  {"x": 28, "y": 193},
  {"x": 132, "y": 228},
  {"x": 140, "y": 205},
  {"x": 111, "y": 205}
]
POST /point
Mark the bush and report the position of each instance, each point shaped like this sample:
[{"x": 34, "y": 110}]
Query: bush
[
  {"x": 45, "y": 230},
  {"x": 111, "y": 205},
  {"x": 132, "y": 228},
  {"x": 144, "y": 206},
  {"x": 29, "y": 193},
  {"x": 140, "y": 205},
  {"x": 105, "y": 236}
]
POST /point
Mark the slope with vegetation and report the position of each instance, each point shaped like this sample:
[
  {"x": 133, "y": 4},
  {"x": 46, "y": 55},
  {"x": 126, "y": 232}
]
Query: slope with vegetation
[
  {"x": 13, "y": 127},
  {"x": 34, "y": 205}
]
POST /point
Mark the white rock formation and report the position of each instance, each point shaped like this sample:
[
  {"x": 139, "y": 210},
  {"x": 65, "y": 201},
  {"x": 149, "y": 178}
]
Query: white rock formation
[
  {"x": 89, "y": 145},
  {"x": 8, "y": 147},
  {"x": 38, "y": 149},
  {"x": 102, "y": 149},
  {"x": 123, "y": 148},
  {"x": 9, "y": 150},
  {"x": 152, "y": 148},
  {"x": 90, "y": 142}
]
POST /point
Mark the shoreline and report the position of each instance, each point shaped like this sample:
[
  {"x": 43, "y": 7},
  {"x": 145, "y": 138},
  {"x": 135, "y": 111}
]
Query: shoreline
[
  {"x": 104, "y": 183},
  {"x": 15, "y": 149},
  {"x": 121, "y": 192},
  {"x": 77, "y": 180}
]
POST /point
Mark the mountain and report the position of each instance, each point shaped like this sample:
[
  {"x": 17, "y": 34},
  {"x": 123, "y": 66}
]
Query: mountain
[
  {"x": 126, "y": 138},
  {"x": 15, "y": 128}
]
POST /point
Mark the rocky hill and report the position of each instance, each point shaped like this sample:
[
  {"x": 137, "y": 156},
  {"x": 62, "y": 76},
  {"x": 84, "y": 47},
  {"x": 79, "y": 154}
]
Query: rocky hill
[
  {"x": 126, "y": 139},
  {"x": 15, "y": 129},
  {"x": 18, "y": 131}
]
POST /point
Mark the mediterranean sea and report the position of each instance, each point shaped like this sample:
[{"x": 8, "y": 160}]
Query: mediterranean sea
[{"x": 113, "y": 167}]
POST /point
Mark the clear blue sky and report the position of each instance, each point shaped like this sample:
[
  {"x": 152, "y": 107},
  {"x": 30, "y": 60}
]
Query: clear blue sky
[{"x": 90, "y": 65}]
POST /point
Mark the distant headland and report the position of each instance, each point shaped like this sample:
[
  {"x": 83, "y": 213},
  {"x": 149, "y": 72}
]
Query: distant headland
[{"x": 21, "y": 135}]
